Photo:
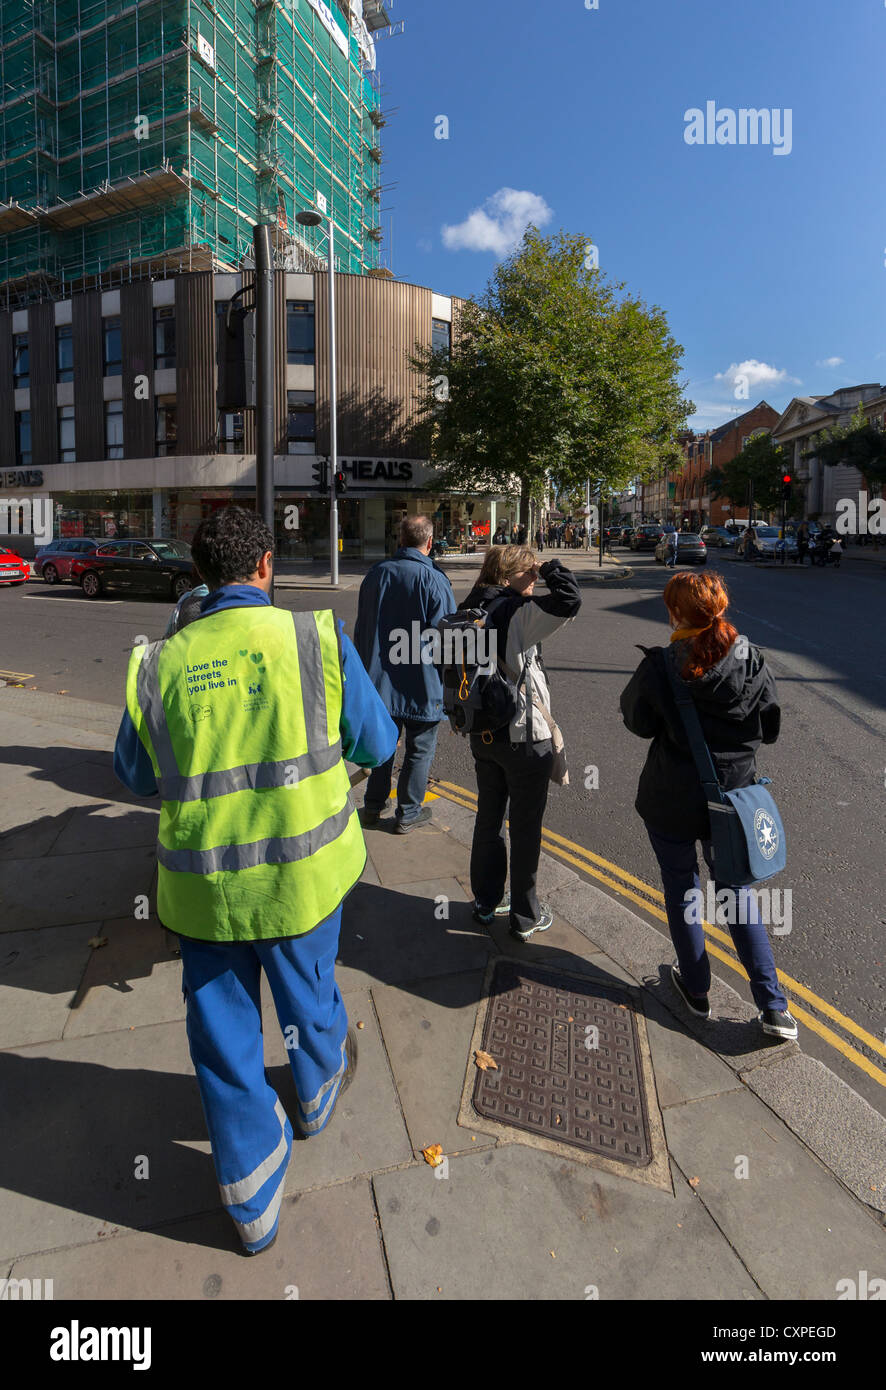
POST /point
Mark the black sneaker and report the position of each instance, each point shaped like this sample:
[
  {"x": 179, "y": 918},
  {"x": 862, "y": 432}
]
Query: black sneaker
[
  {"x": 369, "y": 818},
  {"x": 545, "y": 920},
  {"x": 697, "y": 1004},
  {"x": 778, "y": 1023},
  {"x": 403, "y": 827},
  {"x": 504, "y": 907}
]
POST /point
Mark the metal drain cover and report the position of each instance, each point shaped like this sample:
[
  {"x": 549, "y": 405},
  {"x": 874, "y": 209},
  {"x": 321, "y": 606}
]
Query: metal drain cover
[{"x": 569, "y": 1066}]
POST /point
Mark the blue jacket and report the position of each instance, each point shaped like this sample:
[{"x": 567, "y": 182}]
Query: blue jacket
[
  {"x": 368, "y": 736},
  {"x": 394, "y": 595}
]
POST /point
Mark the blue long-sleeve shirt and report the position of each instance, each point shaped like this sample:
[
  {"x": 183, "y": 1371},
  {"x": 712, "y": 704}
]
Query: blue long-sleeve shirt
[{"x": 369, "y": 735}]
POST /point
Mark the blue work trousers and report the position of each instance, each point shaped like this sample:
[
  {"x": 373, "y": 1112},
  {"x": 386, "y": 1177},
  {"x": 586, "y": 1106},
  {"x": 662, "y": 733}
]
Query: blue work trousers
[
  {"x": 679, "y": 874},
  {"x": 421, "y": 743},
  {"x": 249, "y": 1130}
]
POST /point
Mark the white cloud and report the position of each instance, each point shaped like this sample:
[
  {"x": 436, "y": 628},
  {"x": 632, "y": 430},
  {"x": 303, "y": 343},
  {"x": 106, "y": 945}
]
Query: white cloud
[
  {"x": 831, "y": 362},
  {"x": 499, "y": 224},
  {"x": 753, "y": 374}
]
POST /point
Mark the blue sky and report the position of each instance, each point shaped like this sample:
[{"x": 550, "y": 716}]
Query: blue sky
[{"x": 769, "y": 265}]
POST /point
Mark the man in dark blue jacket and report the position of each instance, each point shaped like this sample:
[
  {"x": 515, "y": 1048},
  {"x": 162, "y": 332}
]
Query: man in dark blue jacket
[{"x": 400, "y": 600}]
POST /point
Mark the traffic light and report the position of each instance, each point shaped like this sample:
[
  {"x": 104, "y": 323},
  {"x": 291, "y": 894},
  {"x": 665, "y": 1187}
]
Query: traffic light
[
  {"x": 341, "y": 483},
  {"x": 320, "y": 476},
  {"x": 786, "y": 487},
  {"x": 236, "y": 359}
]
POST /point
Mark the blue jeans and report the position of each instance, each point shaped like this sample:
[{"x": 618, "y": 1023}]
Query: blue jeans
[
  {"x": 679, "y": 873},
  {"x": 421, "y": 744}
]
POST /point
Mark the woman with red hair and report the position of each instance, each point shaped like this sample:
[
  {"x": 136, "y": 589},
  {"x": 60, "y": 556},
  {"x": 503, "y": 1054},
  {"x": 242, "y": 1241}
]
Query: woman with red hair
[{"x": 734, "y": 694}]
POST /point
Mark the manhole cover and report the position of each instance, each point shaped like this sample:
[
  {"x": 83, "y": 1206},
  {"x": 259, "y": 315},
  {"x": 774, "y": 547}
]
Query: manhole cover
[{"x": 568, "y": 1063}]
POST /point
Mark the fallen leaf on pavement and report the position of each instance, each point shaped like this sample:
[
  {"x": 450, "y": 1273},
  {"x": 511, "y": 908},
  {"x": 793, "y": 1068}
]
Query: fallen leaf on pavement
[
  {"x": 485, "y": 1062},
  {"x": 97, "y": 941},
  {"x": 433, "y": 1154},
  {"x": 693, "y": 1182},
  {"x": 361, "y": 1025}
]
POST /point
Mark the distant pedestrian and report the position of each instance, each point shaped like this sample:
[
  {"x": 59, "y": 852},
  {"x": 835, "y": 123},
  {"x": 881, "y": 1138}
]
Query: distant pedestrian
[
  {"x": 737, "y": 705},
  {"x": 397, "y": 593},
  {"x": 673, "y": 548},
  {"x": 540, "y": 539},
  {"x": 802, "y": 542}
]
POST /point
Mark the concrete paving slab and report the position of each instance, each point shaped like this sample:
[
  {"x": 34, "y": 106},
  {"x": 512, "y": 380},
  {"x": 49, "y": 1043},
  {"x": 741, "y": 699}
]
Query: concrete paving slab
[
  {"x": 327, "y": 1248},
  {"x": 64, "y": 888},
  {"x": 30, "y": 834},
  {"x": 838, "y": 1124},
  {"x": 132, "y": 982},
  {"x": 487, "y": 1232},
  {"x": 107, "y": 826},
  {"x": 683, "y": 1070},
  {"x": 79, "y": 1113},
  {"x": 795, "y": 1228},
  {"x": 394, "y": 934},
  {"x": 427, "y": 1029},
  {"x": 406, "y": 858},
  {"x": 40, "y": 972}
]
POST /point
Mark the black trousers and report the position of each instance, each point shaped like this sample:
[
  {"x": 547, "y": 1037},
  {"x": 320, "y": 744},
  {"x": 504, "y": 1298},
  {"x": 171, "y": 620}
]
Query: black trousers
[{"x": 520, "y": 774}]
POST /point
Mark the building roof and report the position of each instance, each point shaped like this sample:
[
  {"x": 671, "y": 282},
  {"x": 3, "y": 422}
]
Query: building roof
[{"x": 724, "y": 429}]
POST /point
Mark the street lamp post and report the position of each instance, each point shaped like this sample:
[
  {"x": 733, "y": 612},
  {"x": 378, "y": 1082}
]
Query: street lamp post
[
  {"x": 313, "y": 219},
  {"x": 264, "y": 335}
]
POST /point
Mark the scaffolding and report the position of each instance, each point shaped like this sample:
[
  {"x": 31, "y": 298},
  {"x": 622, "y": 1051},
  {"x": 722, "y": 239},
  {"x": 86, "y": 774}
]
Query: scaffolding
[{"x": 143, "y": 138}]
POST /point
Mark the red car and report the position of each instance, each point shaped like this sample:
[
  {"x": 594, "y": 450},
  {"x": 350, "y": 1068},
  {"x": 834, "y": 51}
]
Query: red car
[{"x": 13, "y": 569}]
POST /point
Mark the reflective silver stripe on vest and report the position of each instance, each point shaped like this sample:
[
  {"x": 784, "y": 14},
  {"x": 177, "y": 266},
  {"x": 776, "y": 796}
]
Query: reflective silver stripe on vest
[
  {"x": 251, "y": 776},
  {"x": 233, "y": 1194},
  {"x": 277, "y": 850},
  {"x": 251, "y": 1231},
  {"x": 151, "y": 705},
  {"x": 331, "y": 1088},
  {"x": 313, "y": 681}
]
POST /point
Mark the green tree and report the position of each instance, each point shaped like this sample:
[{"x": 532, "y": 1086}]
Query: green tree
[
  {"x": 761, "y": 462},
  {"x": 551, "y": 374},
  {"x": 861, "y": 444}
]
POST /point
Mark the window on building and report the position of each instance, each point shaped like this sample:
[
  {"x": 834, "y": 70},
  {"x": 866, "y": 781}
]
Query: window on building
[
  {"x": 113, "y": 350},
  {"x": 165, "y": 433},
  {"x": 300, "y": 332},
  {"x": 66, "y": 451},
  {"x": 23, "y": 438},
  {"x": 441, "y": 336},
  {"x": 230, "y": 432},
  {"x": 164, "y": 337},
  {"x": 114, "y": 429},
  {"x": 64, "y": 353},
  {"x": 21, "y": 362},
  {"x": 301, "y": 431}
]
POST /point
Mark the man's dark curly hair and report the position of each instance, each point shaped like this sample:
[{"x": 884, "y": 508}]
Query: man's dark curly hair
[{"x": 228, "y": 545}]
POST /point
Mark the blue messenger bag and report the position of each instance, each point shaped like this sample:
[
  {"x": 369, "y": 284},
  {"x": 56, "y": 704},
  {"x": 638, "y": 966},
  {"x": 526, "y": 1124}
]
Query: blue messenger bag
[{"x": 747, "y": 835}]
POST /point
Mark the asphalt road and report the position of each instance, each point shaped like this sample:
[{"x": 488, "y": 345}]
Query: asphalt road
[{"x": 822, "y": 633}]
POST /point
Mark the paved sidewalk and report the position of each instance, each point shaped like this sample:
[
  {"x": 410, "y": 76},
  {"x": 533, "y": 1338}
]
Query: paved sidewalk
[{"x": 107, "y": 1185}]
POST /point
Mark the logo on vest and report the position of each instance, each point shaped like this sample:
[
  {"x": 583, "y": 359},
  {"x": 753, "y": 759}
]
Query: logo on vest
[
  {"x": 198, "y": 712},
  {"x": 765, "y": 833}
]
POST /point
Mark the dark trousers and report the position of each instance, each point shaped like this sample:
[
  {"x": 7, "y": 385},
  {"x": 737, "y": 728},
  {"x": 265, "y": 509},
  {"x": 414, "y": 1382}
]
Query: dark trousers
[
  {"x": 519, "y": 774},
  {"x": 421, "y": 743},
  {"x": 679, "y": 874}
]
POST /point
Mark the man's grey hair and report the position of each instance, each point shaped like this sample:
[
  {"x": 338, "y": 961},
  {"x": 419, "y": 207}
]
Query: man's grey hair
[{"x": 415, "y": 532}]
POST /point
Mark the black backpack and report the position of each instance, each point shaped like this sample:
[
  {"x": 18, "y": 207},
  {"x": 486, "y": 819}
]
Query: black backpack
[{"x": 477, "y": 698}]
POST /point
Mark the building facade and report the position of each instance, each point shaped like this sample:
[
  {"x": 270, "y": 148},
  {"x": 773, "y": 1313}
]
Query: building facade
[
  {"x": 803, "y": 418},
  {"x": 694, "y": 506}
]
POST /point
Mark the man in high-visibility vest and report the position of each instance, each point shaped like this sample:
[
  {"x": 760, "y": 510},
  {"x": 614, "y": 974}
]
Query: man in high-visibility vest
[{"x": 241, "y": 722}]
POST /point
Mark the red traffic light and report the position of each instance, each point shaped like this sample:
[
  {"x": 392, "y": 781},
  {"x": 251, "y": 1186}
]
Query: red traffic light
[{"x": 786, "y": 478}]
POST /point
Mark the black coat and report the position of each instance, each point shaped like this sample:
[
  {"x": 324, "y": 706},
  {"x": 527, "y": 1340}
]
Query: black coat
[{"x": 738, "y": 708}]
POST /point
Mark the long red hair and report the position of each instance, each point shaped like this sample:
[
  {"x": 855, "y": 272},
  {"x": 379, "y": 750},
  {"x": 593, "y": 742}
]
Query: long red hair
[{"x": 701, "y": 600}]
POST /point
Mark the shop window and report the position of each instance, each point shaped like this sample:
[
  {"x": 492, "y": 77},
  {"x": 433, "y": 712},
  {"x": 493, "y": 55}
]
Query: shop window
[
  {"x": 64, "y": 353},
  {"x": 113, "y": 355},
  {"x": 23, "y": 438},
  {"x": 66, "y": 450},
  {"x": 300, "y": 341},
  {"x": 301, "y": 429},
  {"x": 164, "y": 337},
  {"x": 21, "y": 362},
  {"x": 165, "y": 434},
  {"x": 114, "y": 429},
  {"x": 231, "y": 439}
]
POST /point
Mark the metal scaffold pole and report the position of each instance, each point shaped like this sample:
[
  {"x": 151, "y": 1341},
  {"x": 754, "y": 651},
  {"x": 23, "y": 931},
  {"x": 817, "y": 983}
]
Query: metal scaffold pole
[{"x": 264, "y": 372}]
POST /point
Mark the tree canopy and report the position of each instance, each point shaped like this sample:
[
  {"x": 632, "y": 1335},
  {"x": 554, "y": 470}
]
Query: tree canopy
[
  {"x": 761, "y": 462},
  {"x": 860, "y": 444}
]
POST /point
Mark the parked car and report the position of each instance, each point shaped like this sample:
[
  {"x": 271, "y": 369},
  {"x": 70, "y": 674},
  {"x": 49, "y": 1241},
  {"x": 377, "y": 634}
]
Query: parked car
[
  {"x": 767, "y": 542},
  {"x": 155, "y": 566},
  {"x": 647, "y": 537},
  {"x": 691, "y": 549},
  {"x": 719, "y": 537},
  {"x": 53, "y": 561},
  {"x": 13, "y": 569},
  {"x": 625, "y": 537}
]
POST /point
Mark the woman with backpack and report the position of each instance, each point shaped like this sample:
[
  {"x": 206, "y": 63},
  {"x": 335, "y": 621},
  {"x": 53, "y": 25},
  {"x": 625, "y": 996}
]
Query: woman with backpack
[
  {"x": 517, "y": 761},
  {"x": 735, "y": 698}
]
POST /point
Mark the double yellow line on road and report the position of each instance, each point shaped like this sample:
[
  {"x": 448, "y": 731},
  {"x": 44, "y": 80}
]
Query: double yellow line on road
[{"x": 626, "y": 884}]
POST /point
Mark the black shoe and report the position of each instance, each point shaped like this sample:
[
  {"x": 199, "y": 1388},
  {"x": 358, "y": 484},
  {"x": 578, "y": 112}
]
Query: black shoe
[
  {"x": 778, "y": 1023},
  {"x": 697, "y": 1004},
  {"x": 486, "y": 915},
  {"x": 403, "y": 827},
  {"x": 369, "y": 818},
  {"x": 545, "y": 920},
  {"x": 350, "y": 1072}
]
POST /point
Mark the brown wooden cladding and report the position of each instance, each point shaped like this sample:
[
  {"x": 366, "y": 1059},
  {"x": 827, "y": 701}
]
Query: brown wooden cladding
[
  {"x": 137, "y": 348},
  {"x": 378, "y": 326},
  {"x": 195, "y": 364},
  {"x": 89, "y": 405},
  {"x": 44, "y": 411},
  {"x": 7, "y": 393}
]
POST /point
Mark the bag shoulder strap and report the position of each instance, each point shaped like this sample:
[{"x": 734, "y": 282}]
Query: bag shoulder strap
[{"x": 701, "y": 754}]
